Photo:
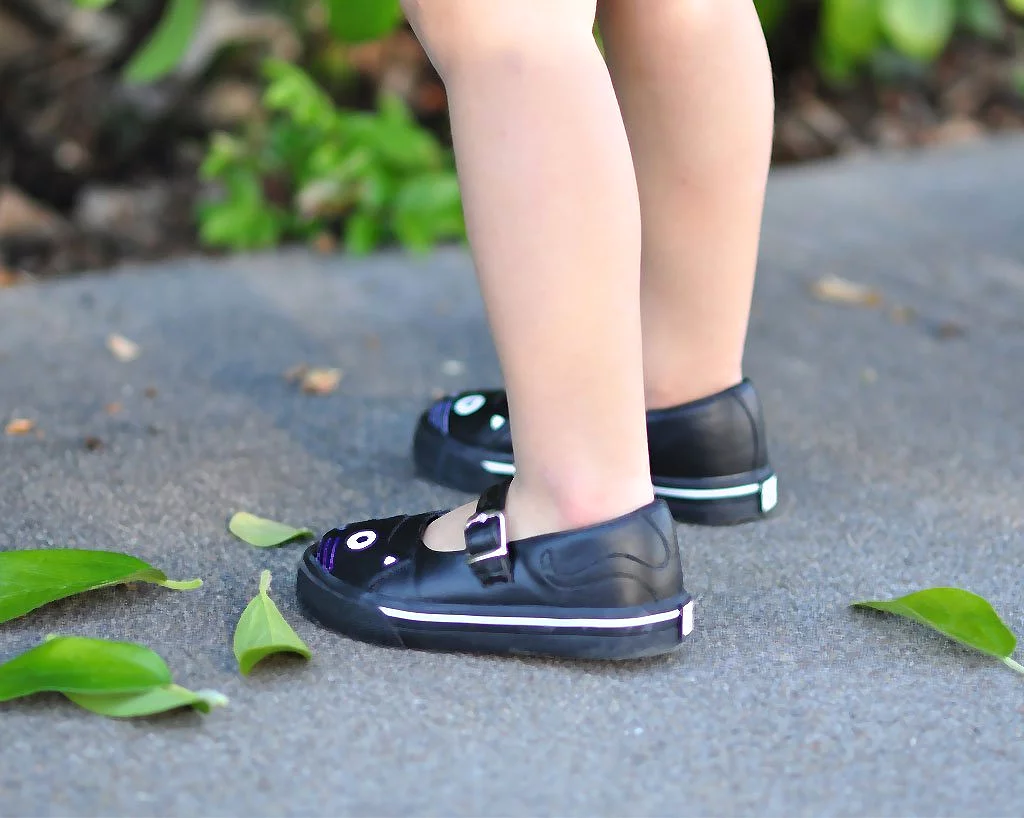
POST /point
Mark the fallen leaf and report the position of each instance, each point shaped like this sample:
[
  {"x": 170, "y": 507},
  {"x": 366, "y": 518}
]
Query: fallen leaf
[
  {"x": 146, "y": 703},
  {"x": 958, "y": 614},
  {"x": 835, "y": 290},
  {"x": 75, "y": 664},
  {"x": 19, "y": 426},
  {"x": 93, "y": 444},
  {"x": 150, "y": 392},
  {"x": 122, "y": 349},
  {"x": 321, "y": 381},
  {"x": 263, "y": 533},
  {"x": 296, "y": 373},
  {"x": 32, "y": 578},
  {"x": 261, "y": 631},
  {"x": 113, "y": 408}
]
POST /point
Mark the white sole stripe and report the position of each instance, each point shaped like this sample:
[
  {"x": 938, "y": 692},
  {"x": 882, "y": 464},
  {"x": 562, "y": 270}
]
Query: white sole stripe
[
  {"x": 497, "y": 467},
  {"x": 708, "y": 494},
  {"x": 546, "y": 622},
  {"x": 729, "y": 492}
]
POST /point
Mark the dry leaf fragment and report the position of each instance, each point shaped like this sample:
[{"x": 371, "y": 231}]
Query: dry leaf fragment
[
  {"x": 835, "y": 290},
  {"x": 19, "y": 426},
  {"x": 93, "y": 444},
  {"x": 122, "y": 349},
  {"x": 321, "y": 381},
  {"x": 150, "y": 392},
  {"x": 296, "y": 373},
  {"x": 113, "y": 408}
]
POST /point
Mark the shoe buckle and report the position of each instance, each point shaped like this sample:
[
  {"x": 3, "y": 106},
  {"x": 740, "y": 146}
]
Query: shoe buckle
[{"x": 487, "y": 547}]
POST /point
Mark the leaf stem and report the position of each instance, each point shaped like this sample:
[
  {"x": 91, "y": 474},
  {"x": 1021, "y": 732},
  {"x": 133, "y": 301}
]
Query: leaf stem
[{"x": 1012, "y": 664}]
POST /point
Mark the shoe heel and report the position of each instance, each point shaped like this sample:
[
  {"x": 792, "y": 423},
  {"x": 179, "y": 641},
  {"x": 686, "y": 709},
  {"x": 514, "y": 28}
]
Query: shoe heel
[{"x": 716, "y": 508}]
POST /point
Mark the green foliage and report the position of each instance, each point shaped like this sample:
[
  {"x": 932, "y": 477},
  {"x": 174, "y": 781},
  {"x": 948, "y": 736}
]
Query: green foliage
[
  {"x": 958, "y": 614},
  {"x": 381, "y": 173},
  {"x": 262, "y": 631},
  {"x": 168, "y": 43},
  {"x": 263, "y": 533},
  {"x": 118, "y": 679},
  {"x": 30, "y": 579},
  {"x": 356, "y": 21},
  {"x": 73, "y": 664},
  {"x": 854, "y": 32}
]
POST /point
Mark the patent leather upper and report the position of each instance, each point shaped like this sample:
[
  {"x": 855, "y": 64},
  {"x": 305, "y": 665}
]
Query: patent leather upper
[{"x": 629, "y": 561}]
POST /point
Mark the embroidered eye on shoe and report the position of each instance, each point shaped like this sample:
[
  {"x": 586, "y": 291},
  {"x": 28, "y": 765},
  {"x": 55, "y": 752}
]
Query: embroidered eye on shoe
[
  {"x": 709, "y": 458},
  {"x": 607, "y": 591}
]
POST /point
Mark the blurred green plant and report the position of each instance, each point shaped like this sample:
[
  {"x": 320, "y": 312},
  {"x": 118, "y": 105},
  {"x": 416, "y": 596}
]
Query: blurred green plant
[
  {"x": 383, "y": 176},
  {"x": 853, "y": 33},
  {"x": 379, "y": 173}
]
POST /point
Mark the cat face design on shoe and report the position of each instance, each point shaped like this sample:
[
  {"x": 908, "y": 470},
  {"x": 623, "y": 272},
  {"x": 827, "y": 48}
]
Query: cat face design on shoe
[{"x": 358, "y": 552}]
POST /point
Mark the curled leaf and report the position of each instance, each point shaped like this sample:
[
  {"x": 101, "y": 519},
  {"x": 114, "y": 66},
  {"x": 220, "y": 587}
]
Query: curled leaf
[
  {"x": 956, "y": 613},
  {"x": 262, "y": 631},
  {"x": 147, "y": 702},
  {"x": 30, "y": 579},
  {"x": 74, "y": 664},
  {"x": 263, "y": 533}
]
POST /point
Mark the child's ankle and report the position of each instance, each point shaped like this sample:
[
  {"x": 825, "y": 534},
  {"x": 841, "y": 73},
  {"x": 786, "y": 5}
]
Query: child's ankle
[
  {"x": 665, "y": 393},
  {"x": 545, "y": 509}
]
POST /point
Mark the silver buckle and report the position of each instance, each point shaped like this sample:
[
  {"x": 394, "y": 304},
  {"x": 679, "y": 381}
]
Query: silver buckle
[{"x": 502, "y": 549}]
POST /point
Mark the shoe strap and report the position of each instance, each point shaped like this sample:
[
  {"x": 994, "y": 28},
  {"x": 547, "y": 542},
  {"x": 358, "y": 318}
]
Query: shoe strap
[{"x": 486, "y": 534}]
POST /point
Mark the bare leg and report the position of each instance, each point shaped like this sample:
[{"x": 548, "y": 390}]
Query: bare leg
[
  {"x": 695, "y": 87},
  {"x": 553, "y": 216}
]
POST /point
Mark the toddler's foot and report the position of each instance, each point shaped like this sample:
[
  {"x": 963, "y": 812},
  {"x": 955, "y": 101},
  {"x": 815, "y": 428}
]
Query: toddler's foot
[
  {"x": 709, "y": 458},
  {"x": 608, "y": 591}
]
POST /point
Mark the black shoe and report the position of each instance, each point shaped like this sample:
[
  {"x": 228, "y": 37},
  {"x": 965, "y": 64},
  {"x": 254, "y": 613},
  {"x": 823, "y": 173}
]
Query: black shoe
[
  {"x": 709, "y": 458},
  {"x": 608, "y": 591}
]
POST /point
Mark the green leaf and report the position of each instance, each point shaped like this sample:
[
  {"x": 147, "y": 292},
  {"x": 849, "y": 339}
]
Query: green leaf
[
  {"x": 93, "y": 4},
  {"x": 31, "y": 579},
  {"x": 1016, "y": 6},
  {"x": 427, "y": 208},
  {"x": 74, "y": 664},
  {"x": 356, "y": 21},
  {"x": 919, "y": 28},
  {"x": 263, "y": 533},
  {"x": 146, "y": 703},
  {"x": 983, "y": 18},
  {"x": 167, "y": 45},
  {"x": 362, "y": 232},
  {"x": 956, "y": 613},
  {"x": 262, "y": 630},
  {"x": 771, "y": 12},
  {"x": 850, "y": 30}
]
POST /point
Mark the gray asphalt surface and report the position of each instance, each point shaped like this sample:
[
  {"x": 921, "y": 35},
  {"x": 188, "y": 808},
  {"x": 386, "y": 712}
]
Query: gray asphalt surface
[{"x": 900, "y": 448}]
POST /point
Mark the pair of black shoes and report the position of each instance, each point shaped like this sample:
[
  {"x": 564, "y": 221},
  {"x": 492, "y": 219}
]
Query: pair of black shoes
[{"x": 609, "y": 591}]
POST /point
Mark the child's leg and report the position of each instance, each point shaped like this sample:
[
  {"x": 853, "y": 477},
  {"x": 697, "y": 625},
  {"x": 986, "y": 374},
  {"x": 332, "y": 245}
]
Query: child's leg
[
  {"x": 695, "y": 87},
  {"x": 553, "y": 217}
]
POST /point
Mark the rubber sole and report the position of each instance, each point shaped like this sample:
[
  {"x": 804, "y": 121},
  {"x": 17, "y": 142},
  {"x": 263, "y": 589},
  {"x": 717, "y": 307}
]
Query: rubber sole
[
  {"x": 577, "y": 633},
  {"x": 713, "y": 501}
]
